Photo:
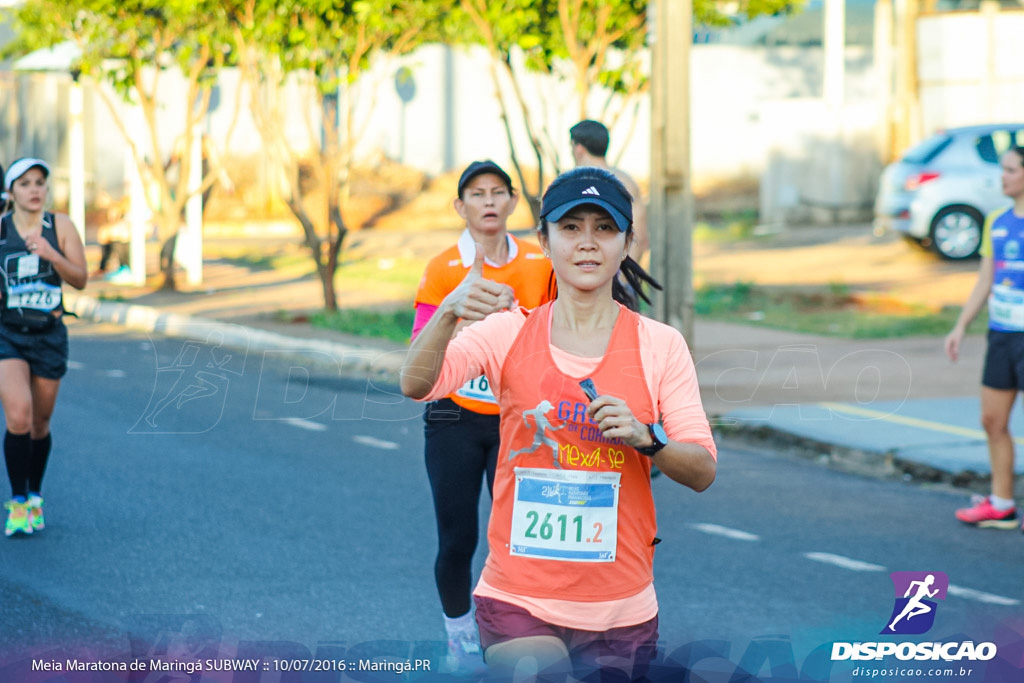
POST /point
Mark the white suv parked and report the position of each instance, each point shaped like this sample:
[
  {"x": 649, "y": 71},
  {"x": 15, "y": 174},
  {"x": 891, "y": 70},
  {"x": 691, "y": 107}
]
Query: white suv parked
[{"x": 939, "y": 193}]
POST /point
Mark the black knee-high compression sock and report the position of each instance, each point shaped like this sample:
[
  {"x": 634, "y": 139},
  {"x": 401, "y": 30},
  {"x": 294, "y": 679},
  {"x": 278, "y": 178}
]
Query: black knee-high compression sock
[
  {"x": 17, "y": 454},
  {"x": 37, "y": 464}
]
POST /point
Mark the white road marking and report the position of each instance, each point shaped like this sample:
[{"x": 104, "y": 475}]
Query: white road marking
[
  {"x": 958, "y": 591},
  {"x": 734, "y": 534},
  {"x": 981, "y": 596},
  {"x": 374, "y": 442},
  {"x": 75, "y": 365},
  {"x": 844, "y": 562},
  {"x": 305, "y": 424},
  {"x": 116, "y": 373}
]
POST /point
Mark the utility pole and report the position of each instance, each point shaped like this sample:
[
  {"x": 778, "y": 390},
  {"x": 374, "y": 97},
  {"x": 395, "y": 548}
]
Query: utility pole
[
  {"x": 834, "y": 95},
  {"x": 883, "y": 49},
  {"x": 190, "y": 236},
  {"x": 139, "y": 213},
  {"x": 76, "y": 190},
  {"x": 907, "y": 125},
  {"x": 834, "y": 44},
  {"x": 670, "y": 217}
]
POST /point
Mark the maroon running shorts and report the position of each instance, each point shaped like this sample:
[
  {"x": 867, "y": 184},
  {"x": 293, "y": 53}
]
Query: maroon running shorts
[{"x": 628, "y": 648}]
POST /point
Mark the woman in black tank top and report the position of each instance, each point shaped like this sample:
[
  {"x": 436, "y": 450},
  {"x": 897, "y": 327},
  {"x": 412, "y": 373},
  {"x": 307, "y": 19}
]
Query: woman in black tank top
[{"x": 39, "y": 251}]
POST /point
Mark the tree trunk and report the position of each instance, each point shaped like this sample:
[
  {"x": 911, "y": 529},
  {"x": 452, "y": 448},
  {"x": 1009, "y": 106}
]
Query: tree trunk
[
  {"x": 324, "y": 269},
  {"x": 327, "y": 285},
  {"x": 334, "y": 257},
  {"x": 167, "y": 261}
]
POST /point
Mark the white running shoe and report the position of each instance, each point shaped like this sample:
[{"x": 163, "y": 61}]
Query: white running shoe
[
  {"x": 465, "y": 656},
  {"x": 35, "y": 512}
]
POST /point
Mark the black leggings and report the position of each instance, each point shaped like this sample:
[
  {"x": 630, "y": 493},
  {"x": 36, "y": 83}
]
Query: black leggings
[{"x": 461, "y": 447}]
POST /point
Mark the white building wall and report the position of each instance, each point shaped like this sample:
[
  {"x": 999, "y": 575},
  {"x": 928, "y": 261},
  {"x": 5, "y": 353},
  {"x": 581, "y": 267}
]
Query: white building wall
[
  {"x": 454, "y": 117},
  {"x": 756, "y": 113},
  {"x": 980, "y": 80}
]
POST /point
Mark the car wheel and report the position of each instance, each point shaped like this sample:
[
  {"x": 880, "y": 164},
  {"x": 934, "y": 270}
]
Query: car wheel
[{"x": 956, "y": 232}]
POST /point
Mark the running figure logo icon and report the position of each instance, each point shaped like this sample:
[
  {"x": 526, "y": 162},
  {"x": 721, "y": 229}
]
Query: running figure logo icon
[
  {"x": 914, "y": 611},
  {"x": 190, "y": 392},
  {"x": 541, "y": 424}
]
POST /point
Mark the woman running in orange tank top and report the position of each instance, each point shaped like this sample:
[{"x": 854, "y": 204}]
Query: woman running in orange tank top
[{"x": 568, "y": 580}]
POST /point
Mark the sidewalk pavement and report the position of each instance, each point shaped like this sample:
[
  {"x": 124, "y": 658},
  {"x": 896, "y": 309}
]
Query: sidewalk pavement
[{"x": 892, "y": 408}]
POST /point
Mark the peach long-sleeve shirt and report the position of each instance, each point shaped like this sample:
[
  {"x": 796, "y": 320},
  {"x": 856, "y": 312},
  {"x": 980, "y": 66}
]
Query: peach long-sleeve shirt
[{"x": 668, "y": 368}]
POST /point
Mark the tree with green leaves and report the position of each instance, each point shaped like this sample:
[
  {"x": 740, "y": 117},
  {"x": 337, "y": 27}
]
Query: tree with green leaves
[
  {"x": 581, "y": 43},
  {"x": 325, "y": 48},
  {"x": 132, "y": 45}
]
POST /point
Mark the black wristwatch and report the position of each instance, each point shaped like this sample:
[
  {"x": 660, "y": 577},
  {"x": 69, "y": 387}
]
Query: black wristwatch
[{"x": 658, "y": 436}]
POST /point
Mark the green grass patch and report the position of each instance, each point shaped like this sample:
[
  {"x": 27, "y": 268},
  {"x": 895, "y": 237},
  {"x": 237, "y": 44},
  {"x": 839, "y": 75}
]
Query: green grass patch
[
  {"x": 393, "y": 325},
  {"x": 830, "y": 310},
  {"x": 396, "y": 278},
  {"x": 290, "y": 260},
  {"x": 731, "y": 227},
  {"x": 403, "y": 273}
]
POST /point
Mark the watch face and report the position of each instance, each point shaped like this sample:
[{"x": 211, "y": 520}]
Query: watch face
[{"x": 658, "y": 434}]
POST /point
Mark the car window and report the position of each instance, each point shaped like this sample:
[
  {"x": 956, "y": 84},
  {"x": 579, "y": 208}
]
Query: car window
[
  {"x": 990, "y": 147},
  {"x": 987, "y": 149},
  {"x": 925, "y": 151}
]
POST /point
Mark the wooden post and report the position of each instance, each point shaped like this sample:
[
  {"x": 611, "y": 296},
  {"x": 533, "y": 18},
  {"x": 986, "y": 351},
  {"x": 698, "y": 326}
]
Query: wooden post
[
  {"x": 76, "y": 193},
  {"x": 190, "y": 249},
  {"x": 139, "y": 214},
  {"x": 883, "y": 70},
  {"x": 671, "y": 207},
  {"x": 907, "y": 129}
]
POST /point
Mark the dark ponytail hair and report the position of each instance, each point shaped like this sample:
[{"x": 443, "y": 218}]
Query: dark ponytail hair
[
  {"x": 629, "y": 287},
  {"x": 636, "y": 277}
]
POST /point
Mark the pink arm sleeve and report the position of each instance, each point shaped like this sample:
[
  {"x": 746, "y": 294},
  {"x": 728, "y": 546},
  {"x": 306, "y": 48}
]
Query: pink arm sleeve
[
  {"x": 478, "y": 349},
  {"x": 424, "y": 312},
  {"x": 672, "y": 378}
]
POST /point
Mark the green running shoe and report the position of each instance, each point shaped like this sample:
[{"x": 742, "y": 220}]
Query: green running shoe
[{"x": 17, "y": 518}]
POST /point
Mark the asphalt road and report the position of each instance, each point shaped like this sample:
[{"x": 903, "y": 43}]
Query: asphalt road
[{"x": 212, "y": 503}]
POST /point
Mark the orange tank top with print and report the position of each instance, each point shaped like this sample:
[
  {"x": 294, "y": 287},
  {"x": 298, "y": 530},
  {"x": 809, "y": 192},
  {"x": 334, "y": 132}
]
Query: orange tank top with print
[{"x": 573, "y": 515}]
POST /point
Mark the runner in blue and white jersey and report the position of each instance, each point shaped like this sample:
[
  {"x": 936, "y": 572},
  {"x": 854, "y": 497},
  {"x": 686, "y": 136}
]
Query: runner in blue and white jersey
[{"x": 1000, "y": 284}]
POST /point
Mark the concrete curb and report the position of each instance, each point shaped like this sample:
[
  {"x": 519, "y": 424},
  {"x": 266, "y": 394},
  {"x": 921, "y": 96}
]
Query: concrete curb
[
  {"x": 352, "y": 361},
  {"x": 887, "y": 464}
]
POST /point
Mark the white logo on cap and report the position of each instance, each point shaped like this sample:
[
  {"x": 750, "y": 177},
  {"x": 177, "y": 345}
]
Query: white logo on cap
[{"x": 591, "y": 190}]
